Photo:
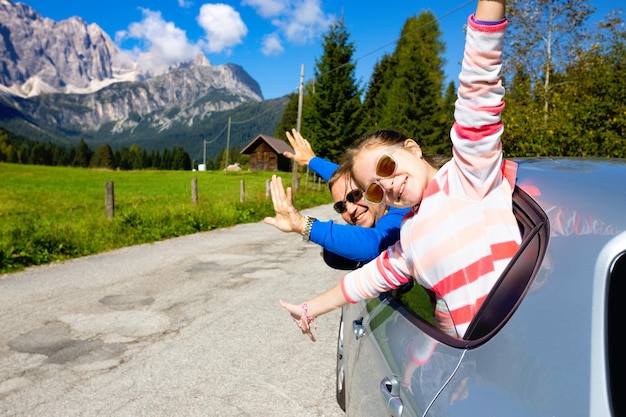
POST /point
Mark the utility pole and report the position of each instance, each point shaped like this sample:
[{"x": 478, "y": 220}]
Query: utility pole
[
  {"x": 294, "y": 179},
  {"x": 202, "y": 167},
  {"x": 227, "y": 145},
  {"x": 300, "y": 96}
]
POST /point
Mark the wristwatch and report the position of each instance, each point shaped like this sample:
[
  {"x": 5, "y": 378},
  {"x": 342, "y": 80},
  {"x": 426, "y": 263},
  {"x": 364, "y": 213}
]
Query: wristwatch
[{"x": 306, "y": 232}]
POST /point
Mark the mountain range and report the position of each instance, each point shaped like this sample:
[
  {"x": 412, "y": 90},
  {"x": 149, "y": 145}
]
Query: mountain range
[{"x": 61, "y": 82}]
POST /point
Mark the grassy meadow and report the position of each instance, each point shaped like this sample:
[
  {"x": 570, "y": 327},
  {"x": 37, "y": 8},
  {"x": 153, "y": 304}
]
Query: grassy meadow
[{"x": 50, "y": 214}]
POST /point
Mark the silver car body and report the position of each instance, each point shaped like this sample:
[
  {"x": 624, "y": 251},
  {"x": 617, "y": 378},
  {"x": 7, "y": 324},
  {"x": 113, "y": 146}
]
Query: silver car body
[{"x": 554, "y": 352}]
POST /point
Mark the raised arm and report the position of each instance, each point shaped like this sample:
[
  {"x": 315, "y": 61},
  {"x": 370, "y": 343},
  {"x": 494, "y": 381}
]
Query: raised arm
[
  {"x": 302, "y": 148},
  {"x": 304, "y": 156},
  {"x": 323, "y": 167},
  {"x": 340, "y": 238},
  {"x": 337, "y": 238},
  {"x": 478, "y": 127},
  {"x": 490, "y": 10}
]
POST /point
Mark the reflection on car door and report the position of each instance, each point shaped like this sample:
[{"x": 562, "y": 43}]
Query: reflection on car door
[{"x": 381, "y": 381}]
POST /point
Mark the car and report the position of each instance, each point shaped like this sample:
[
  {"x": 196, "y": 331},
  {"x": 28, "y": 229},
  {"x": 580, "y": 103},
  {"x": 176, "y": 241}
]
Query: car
[{"x": 545, "y": 341}]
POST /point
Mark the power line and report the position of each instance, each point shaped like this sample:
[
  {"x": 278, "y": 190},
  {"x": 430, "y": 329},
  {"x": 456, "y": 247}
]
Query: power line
[
  {"x": 216, "y": 137},
  {"x": 373, "y": 51},
  {"x": 254, "y": 117},
  {"x": 437, "y": 19}
]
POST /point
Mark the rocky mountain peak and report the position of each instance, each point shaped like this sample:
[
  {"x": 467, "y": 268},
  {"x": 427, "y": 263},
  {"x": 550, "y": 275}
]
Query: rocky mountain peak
[
  {"x": 39, "y": 55},
  {"x": 67, "y": 81},
  {"x": 70, "y": 74}
]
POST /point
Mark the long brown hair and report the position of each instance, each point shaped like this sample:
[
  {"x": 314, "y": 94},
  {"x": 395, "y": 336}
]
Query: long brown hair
[{"x": 383, "y": 139}]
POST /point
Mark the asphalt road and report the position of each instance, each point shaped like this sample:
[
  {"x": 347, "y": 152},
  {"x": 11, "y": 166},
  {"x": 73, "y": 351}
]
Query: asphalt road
[{"x": 185, "y": 327}]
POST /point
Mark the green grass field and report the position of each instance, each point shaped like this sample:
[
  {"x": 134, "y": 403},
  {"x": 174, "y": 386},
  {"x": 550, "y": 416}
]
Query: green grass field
[{"x": 50, "y": 214}]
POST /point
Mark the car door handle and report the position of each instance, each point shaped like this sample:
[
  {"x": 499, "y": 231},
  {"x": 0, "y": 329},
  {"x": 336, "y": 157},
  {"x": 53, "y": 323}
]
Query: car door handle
[
  {"x": 358, "y": 328},
  {"x": 390, "y": 393}
]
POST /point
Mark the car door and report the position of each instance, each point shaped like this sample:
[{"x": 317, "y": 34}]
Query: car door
[
  {"x": 397, "y": 368},
  {"x": 406, "y": 366}
]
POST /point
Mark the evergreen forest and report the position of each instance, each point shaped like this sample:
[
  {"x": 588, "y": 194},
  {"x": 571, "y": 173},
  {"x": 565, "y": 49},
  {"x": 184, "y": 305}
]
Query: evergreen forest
[
  {"x": 19, "y": 150},
  {"x": 564, "y": 79}
]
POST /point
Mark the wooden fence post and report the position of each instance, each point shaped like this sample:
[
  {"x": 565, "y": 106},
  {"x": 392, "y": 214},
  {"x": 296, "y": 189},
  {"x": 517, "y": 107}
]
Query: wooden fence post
[
  {"x": 109, "y": 200},
  {"x": 242, "y": 192},
  {"x": 194, "y": 190},
  {"x": 306, "y": 181},
  {"x": 268, "y": 193}
]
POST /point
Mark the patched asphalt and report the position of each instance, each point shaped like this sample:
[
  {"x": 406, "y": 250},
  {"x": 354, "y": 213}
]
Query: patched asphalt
[{"x": 185, "y": 327}]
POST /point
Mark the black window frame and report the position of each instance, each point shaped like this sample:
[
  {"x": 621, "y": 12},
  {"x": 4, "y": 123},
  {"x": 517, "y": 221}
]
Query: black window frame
[
  {"x": 614, "y": 347},
  {"x": 509, "y": 290}
]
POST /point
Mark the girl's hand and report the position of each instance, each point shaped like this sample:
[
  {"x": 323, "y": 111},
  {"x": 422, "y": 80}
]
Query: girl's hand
[
  {"x": 490, "y": 10},
  {"x": 300, "y": 317}
]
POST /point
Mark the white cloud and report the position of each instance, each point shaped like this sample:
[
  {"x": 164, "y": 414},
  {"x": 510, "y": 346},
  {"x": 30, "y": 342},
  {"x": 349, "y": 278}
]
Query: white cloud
[
  {"x": 162, "y": 43},
  {"x": 272, "y": 45},
  {"x": 298, "y": 21},
  {"x": 267, "y": 8},
  {"x": 223, "y": 26},
  {"x": 306, "y": 21}
]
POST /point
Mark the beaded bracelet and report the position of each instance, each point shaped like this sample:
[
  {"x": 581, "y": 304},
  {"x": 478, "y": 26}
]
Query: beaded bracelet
[{"x": 305, "y": 315}]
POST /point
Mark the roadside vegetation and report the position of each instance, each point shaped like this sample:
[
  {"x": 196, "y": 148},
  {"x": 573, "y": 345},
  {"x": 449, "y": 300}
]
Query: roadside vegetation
[
  {"x": 51, "y": 214},
  {"x": 565, "y": 97}
]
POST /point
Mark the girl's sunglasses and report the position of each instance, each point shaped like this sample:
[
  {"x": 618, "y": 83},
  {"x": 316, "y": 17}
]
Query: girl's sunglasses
[
  {"x": 353, "y": 197},
  {"x": 385, "y": 167}
]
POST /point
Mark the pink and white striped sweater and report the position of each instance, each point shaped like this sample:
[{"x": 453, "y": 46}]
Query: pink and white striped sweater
[{"x": 464, "y": 232}]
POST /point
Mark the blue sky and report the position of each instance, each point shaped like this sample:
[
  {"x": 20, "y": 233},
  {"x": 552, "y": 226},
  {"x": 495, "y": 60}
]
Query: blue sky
[{"x": 270, "y": 39}]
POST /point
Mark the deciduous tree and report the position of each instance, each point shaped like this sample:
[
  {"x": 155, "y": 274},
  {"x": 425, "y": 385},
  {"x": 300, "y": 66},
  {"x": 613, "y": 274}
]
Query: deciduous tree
[{"x": 546, "y": 36}]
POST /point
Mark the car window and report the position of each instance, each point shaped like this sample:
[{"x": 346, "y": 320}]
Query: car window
[
  {"x": 508, "y": 291},
  {"x": 418, "y": 300}
]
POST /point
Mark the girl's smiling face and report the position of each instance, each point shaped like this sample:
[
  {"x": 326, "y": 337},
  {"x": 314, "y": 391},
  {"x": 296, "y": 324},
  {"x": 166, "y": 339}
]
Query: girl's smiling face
[{"x": 396, "y": 174}]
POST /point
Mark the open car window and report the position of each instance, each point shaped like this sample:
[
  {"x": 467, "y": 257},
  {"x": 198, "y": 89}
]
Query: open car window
[{"x": 507, "y": 293}]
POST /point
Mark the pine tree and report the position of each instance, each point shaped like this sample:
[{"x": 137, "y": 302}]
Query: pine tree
[
  {"x": 102, "y": 157},
  {"x": 181, "y": 159},
  {"x": 135, "y": 157},
  {"x": 82, "y": 155},
  {"x": 374, "y": 101},
  {"x": 289, "y": 119},
  {"x": 413, "y": 100},
  {"x": 333, "y": 119}
]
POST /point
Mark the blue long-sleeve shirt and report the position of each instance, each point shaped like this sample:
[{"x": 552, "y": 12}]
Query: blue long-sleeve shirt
[{"x": 356, "y": 243}]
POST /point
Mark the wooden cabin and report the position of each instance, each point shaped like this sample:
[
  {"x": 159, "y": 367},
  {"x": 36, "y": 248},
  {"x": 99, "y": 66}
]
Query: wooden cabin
[{"x": 266, "y": 154}]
